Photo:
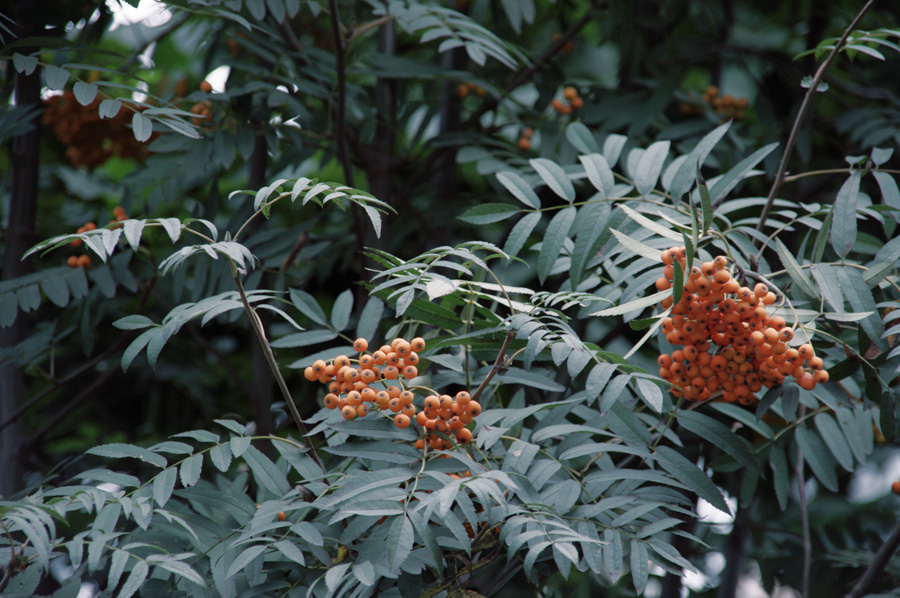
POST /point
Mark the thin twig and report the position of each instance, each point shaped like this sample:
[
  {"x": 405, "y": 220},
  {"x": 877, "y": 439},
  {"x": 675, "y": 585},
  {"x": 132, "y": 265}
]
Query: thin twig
[
  {"x": 801, "y": 116},
  {"x": 273, "y": 365},
  {"x": 876, "y": 567},
  {"x": 498, "y": 365}
]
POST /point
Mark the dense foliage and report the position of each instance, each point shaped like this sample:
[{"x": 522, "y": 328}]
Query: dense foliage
[{"x": 437, "y": 298}]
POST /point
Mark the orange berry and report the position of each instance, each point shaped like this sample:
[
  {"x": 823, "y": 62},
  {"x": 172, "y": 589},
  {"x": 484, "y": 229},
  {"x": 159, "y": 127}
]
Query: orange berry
[
  {"x": 362, "y": 410},
  {"x": 84, "y": 261},
  {"x": 205, "y": 87},
  {"x": 417, "y": 344},
  {"x": 462, "y": 397},
  {"x": 432, "y": 403},
  {"x": 570, "y": 93},
  {"x": 464, "y": 436},
  {"x": 462, "y": 90},
  {"x": 73, "y": 260},
  {"x": 360, "y": 345},
  {"x": 577, "y": 104},
  {"x": 816, "y": 363},
  {"x": 410, "y": 372},
  {"x": 895, "y": 487},
  {"x": 90, "y": 226},
  {"x": 282, "y": 515},
  {"x": 420, "y": 444},
  {"x": 349, "y": 412},
  {"x": 821, "y": 376},
  {"x": 523, "y": 144},
  {"x": 473, "y": 409},
  {"x": 401, "y": 420},
  {"x": 331, "y": 401},
  {"x": 310, "y": 374},
  {"x": 391, "y": 372},
  {"x": 558, "y": 105},
  {"x": 341, "y": 361}
]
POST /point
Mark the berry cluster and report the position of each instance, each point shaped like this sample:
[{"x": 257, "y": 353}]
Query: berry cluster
[
  {"x": 524, "y": 142},
  {"x": 350, "y": 390},
  {"x": 729, "y": 341},
  {"x": 727, "y": 105},
  {"x": 571, "y": 101},
  {"x": 90, "y": 140},
  {"x": 463, "y": 89}
]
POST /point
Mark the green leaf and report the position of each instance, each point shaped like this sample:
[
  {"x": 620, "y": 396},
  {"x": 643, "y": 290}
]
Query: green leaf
[
  {"x": 9, "y": 309},
  {"x": 692, "y": 477},
  {"x": 599, "y": 174},
  {"x": 133, "y": 322},
  {"x": 889, "y": 191},
  {"x": 582, "y": 138},
  {"x": 141, "y": 126},
  {"x": 135, "y": 580},
  {"x": 521, "y": 190},
  {"x": 843, "y": 225},
  {"x": 266, "y": 473},
  {"x": 488, "y": 213},
  {"x": 55, "y": 77},
  {"x": 555, "y": 177},
  {"x": 686, "y": 173},
  {"x": 649, "y": 166},
  {"x": 163, "y": 485},
  {"x": 730, "y": 179},
  {"x": 640, "y": 568},
  {"x": 794, "y": 270},
  {"x": 637, "y": 304},
  {"x": 305, "y": 338},
  {"x": 706, "y": 204},
  {"x": 532, "y": 378},
  {"x": 399, "y": 541},
  {"x": 860, "y": 298},
  {"x": 612, "y": 553},
  {"x": 834, "y": 438},
  {"x": 520, "y": 233},
  {"x": 56, "y": 290},
  {"x": 84, "y": 92},
  {"x": 597, "y": 379},
  {"x": 554, "y": 238},
  {"x": 650, "y": 393},
  {"x": 308, "y": 306},
  {"x": 590, "y": 237},
  {"x": 190, "y": 470},
  {"x": 243, "y": 559},
  {"x": 340, "y": 313},
  {"x": 818, "y": 457},
  {"x": 663, "y": 231},
  {"x": 780, "y": 476},
  {"x": 109, "y": 108},
  {"x": 118, "y": 450},
  {"x": 721, "y": 436},
  {"x": 290, "y": 550},
  {"x": 370, "y": 318},
  {"x": 852, "y": 432},
  {"x": 826, "y": 277}
]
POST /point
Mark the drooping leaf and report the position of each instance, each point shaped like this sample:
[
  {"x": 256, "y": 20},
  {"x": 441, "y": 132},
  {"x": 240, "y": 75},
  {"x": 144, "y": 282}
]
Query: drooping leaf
[
  {"x": 843, "y": 225},
  {"x": 555, "y": 236},
  {"x": 692, "y": 476}
]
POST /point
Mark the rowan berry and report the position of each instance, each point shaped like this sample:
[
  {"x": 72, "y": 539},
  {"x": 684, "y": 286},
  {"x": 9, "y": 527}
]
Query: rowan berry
[
  {"x": 360, "y": 345},
  {"x": 84, "y": 261},
  {"x": 349, "y": 412},
  {"x": 401, "y": 420},
  {"x": 464, "y": 436}
]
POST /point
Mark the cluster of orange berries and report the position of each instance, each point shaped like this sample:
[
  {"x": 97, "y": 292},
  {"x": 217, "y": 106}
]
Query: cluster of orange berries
[
  {"x": 463, "y": 89},
  {"x": 729, "y": 341},
  {"x": 727, "y": 105},
  {"x": 202, "y": 110},
  {"x": 572, "y": 101},
  {"x": 90, "y": 140},
  {"x": 350, "y": 390},
  {"x": 524, "y": 142}
]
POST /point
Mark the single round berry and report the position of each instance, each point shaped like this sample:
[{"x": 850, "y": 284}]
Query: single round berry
[{"x": 360, "y": 345}]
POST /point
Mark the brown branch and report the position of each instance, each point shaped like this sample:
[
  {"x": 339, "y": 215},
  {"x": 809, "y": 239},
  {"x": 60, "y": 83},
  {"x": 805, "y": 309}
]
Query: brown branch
[
  {"x": 876, "y": 567},
  {"x": 497, "y": 367},
  {"x": 801, "y": 116}
]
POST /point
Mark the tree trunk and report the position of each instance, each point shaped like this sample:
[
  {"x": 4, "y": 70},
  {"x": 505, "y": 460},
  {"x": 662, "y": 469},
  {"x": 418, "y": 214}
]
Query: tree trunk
[{"x": 19, "y": 237}]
